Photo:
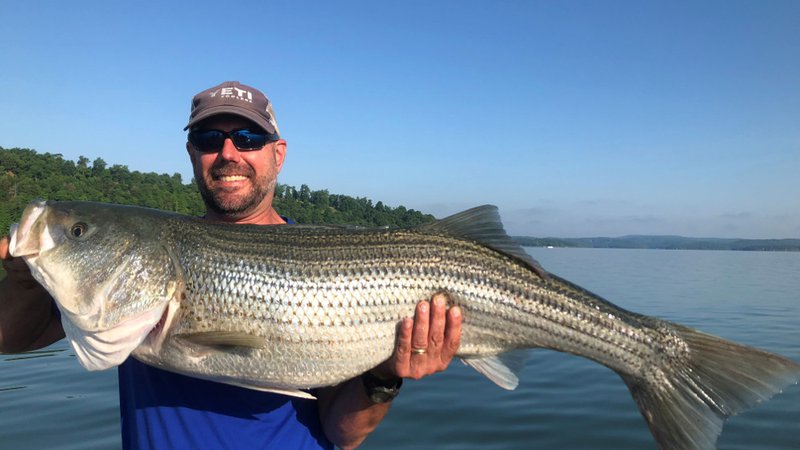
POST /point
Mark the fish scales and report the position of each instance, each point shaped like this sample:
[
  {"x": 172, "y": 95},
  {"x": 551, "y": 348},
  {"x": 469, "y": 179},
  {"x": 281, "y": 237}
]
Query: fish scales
[
  {"x": 286, "y": 308},
  {"x": 510, "y": 295},
  {"x": 357, "y": 321}
]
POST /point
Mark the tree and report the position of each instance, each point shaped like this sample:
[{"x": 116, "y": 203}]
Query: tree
[
  {"x": 305, "y": 193},
  {"x": 98, "y": 166},
  {"x": 320, "y": 198}
]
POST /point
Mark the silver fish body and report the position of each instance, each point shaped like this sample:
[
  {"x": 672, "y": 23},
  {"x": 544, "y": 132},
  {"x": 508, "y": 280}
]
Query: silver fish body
[{"x": 287, "y": 308}]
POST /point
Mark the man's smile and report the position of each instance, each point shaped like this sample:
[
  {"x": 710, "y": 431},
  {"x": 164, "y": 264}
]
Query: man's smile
[{"x": 232, "y": 178}]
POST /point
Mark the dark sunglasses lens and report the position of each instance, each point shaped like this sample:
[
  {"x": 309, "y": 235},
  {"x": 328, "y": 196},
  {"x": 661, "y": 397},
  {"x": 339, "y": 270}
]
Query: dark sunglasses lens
[
  {"x": 207, "y": 141},
  {"x": 248, "y": 140}
]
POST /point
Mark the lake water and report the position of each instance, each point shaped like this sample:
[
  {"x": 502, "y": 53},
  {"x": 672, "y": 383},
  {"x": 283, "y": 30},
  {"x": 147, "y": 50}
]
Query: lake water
[{"x": 48, "y": 401}]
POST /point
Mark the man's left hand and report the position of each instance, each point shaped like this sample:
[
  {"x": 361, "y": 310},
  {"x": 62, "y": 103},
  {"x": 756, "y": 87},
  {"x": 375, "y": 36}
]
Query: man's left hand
[{"x": 427, "y": 343}]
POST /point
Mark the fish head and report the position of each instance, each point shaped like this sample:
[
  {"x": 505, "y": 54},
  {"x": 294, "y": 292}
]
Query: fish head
[{"x": 106, "y": 266}]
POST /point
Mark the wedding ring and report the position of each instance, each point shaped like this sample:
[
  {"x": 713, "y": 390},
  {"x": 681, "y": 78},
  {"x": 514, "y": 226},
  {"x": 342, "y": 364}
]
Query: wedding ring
[{"x": 418, "y": 351}]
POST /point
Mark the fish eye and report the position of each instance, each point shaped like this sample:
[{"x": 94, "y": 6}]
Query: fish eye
[{"x": 78, "y": 230}]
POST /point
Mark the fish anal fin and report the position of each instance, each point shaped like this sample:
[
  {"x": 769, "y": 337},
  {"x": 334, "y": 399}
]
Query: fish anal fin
[
  {"x": 501, "y": 369},
  {"x": 290, "y": 392}
]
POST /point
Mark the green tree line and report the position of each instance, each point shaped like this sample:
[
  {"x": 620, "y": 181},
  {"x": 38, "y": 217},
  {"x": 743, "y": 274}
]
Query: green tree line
[{"x": 26, "y": 175}]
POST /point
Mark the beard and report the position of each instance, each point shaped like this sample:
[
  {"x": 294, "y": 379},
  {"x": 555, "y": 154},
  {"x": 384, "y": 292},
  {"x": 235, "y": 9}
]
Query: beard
[{"x": 233, "y": 204}]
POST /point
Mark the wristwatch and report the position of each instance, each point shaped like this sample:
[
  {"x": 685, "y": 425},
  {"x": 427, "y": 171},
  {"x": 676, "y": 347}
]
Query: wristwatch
[{"x": 381, "y": 391}]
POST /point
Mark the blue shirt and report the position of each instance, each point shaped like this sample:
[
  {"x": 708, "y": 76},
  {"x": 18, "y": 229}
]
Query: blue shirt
[{"x": 164, "y": 410}]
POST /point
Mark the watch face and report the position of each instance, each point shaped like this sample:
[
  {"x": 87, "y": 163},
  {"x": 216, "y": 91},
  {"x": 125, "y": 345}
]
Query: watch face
[
  {"x": 377, "y": 389},
  {"x": 380, "y": 397}
]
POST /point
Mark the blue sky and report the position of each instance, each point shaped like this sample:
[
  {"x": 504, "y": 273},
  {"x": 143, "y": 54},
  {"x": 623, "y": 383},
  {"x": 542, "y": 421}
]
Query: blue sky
[{"x": 576, "y": 118}]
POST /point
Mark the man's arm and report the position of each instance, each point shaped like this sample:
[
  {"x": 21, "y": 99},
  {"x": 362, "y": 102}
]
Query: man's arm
[
  {"x": 347, "y": 413},
  {"x": 28, "y": 319}
]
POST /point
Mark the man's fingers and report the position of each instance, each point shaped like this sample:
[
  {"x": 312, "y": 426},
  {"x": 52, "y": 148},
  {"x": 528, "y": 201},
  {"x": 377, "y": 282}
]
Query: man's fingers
[
  {"x": 10, "y": 263},
  {"x": 419, "y": 337},
  {"x": 402, "y": 354},
  {"x": 452, "y": 334},
  {"x": 438, "y": 317},
  {"x": 4, "y": 255},
  {"x": 426, "y": 344}
]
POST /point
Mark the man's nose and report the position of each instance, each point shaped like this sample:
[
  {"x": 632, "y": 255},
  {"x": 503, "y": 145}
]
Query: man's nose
[{"x": 229, "y": 151}]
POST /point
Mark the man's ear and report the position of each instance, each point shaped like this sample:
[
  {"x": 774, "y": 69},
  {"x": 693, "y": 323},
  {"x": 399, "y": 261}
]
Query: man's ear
[
  {"x": 190, "y": 151},
  {"x": 280, "y": 154}
]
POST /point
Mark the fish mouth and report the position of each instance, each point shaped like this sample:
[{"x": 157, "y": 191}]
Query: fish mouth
[
  {"x": 12, "y": 244},
  {"x": 107, "y": 347},
  {"x": 12, "y": 239},
  {"x": 23, "y": 236}
]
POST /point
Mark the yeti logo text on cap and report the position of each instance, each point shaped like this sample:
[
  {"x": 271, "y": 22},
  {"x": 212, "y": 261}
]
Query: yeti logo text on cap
[
  {"x": 232, "y": 97},
  {"x": 234, "y": 92}
]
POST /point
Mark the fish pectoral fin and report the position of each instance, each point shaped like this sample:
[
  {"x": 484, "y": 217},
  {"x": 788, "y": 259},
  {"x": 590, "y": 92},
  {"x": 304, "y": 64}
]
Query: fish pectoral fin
[
  {"x": 290, "y": 392},
  {"x": 501, "y": 369},
  {"x": 225, "y": 338}
]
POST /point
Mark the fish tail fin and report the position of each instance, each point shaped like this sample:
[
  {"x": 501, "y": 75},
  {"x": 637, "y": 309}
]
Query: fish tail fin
[{"x": 685, "y": 405}]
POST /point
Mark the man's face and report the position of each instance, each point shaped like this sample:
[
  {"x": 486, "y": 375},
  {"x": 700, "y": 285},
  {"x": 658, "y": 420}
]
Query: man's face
[{"x": 236, "y": 184}]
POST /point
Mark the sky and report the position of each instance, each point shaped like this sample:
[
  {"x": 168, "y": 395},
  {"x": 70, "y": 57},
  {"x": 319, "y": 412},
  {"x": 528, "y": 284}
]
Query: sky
[{"x": 575, "y": 118}]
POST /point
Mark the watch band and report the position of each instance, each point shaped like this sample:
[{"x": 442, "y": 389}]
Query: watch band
[{"x": 381, "y": 391}]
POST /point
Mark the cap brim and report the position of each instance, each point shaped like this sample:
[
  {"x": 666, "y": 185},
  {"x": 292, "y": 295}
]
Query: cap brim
[{"x": 227, "y": 109}]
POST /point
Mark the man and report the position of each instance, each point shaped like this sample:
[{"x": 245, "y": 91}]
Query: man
[{"x": 236, "y": 153}]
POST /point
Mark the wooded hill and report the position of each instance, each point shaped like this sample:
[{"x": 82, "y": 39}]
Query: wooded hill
[{"x": 26, "y": 175}]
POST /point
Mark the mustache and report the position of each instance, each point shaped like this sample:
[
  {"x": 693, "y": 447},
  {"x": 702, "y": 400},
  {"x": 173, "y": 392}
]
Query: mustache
[{"x": 227, "y": 169}]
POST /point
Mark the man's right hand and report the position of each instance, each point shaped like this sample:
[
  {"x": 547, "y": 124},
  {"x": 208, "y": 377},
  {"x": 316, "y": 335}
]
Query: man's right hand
[
  {"x": 27, "y": 315},
  {"x": 18, "y": 272}
]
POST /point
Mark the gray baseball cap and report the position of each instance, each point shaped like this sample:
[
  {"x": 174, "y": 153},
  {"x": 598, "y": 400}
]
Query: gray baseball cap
[{"x": 232, "y": 97}]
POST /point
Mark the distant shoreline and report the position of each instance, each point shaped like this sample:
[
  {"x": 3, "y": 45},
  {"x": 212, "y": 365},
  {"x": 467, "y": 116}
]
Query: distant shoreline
[{"x": 664, "y": 243}]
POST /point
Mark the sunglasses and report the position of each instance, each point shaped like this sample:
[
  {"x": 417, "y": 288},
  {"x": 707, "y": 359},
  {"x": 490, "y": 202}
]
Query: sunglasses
[{"x": 211, "y": 141}]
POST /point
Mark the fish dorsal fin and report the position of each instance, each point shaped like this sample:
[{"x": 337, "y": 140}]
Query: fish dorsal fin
[
  {"x": 501, "y": 369},
  {"x": 482, "y": 224}
]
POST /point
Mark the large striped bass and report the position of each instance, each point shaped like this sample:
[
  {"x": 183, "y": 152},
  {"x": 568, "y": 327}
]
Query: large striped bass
[{"x": 288, "y": 308}]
